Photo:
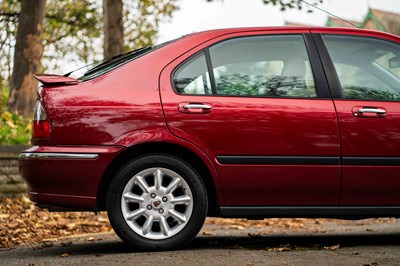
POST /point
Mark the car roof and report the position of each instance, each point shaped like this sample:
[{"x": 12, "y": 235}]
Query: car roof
[{"x": 338, "y": 30}]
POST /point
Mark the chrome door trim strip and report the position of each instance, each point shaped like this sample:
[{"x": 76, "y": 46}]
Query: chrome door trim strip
[{"x": 56, "y": 155}]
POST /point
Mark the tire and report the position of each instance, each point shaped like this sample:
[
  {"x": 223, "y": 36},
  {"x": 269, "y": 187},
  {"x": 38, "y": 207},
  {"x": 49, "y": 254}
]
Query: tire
[{"x": 157, "y": 202}]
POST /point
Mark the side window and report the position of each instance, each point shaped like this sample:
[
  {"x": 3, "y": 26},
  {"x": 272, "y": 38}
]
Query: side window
[
  {"x": 262, "y": 66},
  {"x": 192, "y": 77},
  {"x": 367, "y": 68},
  {"x": 268, "y": 66}
]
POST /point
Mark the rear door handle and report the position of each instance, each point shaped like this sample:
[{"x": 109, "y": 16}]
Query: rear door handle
[
  {"x": 198, "y": 108},
  {"x": 377, "y": 112}
]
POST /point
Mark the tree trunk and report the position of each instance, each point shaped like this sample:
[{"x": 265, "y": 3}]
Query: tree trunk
[
  {"x": 27, "y": 55},
  {"x": 113, "y": 28}
]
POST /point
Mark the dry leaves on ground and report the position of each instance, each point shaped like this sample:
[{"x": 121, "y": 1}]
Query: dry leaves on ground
[{"x": 23, "y": 223}]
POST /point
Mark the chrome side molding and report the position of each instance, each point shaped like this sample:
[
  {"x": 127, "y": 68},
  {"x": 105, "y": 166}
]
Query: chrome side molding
[{"x": 55, "y": 155}]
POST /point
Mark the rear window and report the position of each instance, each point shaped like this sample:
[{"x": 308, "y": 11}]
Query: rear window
[{"x": 113, "y": 63}]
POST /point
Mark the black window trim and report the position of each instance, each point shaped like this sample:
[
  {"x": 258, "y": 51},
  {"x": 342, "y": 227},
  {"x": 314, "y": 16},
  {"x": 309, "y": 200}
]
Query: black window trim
[
  {"x": 329, "y": 69},
  {"x": 210, "y": 72},
  {"x": 320, "y": 80}
]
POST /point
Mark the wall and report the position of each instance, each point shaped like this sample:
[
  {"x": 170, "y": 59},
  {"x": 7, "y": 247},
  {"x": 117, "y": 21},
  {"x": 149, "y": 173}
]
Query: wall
[{"x": 11, "y": 183}]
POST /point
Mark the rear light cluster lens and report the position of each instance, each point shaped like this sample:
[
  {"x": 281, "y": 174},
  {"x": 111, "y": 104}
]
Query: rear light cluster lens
[{"x": 41, "y": 125}]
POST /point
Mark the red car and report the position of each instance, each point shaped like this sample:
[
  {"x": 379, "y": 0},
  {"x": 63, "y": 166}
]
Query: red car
[{"x": 249, "y": 122}]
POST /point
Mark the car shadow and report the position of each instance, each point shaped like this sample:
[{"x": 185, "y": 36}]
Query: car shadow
[
  {"x": 295, "y": 241},
  {"x": 289, "y": 242}
]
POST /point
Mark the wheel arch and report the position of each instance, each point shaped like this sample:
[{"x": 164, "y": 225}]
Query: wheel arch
[{"x": 212, "y": 186}]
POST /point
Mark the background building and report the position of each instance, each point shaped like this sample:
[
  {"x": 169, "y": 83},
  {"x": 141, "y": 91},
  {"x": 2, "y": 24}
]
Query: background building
[{"x": 374, "y": 19}]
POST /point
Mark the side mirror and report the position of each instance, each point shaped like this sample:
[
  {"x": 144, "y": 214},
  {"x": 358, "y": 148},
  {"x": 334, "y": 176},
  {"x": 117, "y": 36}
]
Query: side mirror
[{"x": 394, "y": 62}]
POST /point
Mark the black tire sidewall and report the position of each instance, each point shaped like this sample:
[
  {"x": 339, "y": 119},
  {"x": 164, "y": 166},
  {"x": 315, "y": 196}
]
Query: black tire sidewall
[{"x": 175, "y": 164}]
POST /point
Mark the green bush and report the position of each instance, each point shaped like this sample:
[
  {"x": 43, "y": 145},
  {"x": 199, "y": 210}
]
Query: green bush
[{"x": 14, "y": 129}]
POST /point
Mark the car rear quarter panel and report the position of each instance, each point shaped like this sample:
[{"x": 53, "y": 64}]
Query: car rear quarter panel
[
  {"x": 119, "y": 109},
  {"x": 100, "y": 111}
]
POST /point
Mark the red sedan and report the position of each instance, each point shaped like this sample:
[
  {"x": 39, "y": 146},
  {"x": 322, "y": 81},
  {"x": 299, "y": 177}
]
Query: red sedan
[{"x": 249, "y": 122}]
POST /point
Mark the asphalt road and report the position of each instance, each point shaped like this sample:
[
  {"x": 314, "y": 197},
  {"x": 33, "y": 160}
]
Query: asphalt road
[{"x": 329, "y": 243}]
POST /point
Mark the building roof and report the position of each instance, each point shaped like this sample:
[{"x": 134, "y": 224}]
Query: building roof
[
  {"x": 382, "y": 20},
  {"x": 336, "y": 22},
  {"x": 375, "y": 19}
]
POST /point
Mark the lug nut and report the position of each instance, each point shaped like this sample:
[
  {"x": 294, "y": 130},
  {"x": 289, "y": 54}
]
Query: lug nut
[
  {"x": 149, "y": 207},
  {"x": 161, "y": 211},
  {"x": 164, "y": 199},
  {"x": 153, "y": 195}
]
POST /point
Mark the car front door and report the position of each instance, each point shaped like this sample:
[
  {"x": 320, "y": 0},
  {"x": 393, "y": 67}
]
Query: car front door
[
  {"x": 262, "y": 112},
  {"x": 367, "y": 100}
]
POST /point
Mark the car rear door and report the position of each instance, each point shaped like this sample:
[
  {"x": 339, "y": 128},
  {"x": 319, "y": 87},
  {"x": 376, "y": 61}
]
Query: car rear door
[
  {"x": 257, "y": 105},
  {"x": 366, "y": 86}
]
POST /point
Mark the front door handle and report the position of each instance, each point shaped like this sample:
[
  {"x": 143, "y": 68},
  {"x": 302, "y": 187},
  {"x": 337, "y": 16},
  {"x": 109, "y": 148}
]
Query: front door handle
[
  {"x": 377, "y": 112},
  {"x": 198, "y": 108}
]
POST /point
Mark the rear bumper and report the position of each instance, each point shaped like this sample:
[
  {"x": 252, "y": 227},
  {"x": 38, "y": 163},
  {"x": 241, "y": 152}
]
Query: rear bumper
[{"x": 67, "y": 177}]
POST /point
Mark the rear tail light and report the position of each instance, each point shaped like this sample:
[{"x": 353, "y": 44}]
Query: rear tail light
[{"x": 41, "y": 124}]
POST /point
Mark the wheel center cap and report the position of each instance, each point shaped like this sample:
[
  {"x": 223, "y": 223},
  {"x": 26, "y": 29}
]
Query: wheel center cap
[{"x": 156, "y": 203}]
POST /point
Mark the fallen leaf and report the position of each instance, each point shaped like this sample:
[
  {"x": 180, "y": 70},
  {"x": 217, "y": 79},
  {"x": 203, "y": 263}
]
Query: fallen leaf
[
  {"x": 4, "y": 216},
  {"x": 64, "y": 254},
  {"x": 70, "y": 226},
  {"x": 332, "y": 248},
  {"x": 281, "y": 248},
  {"x": 238, "y": 227},
  {"x": 208, "y": 233}
]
